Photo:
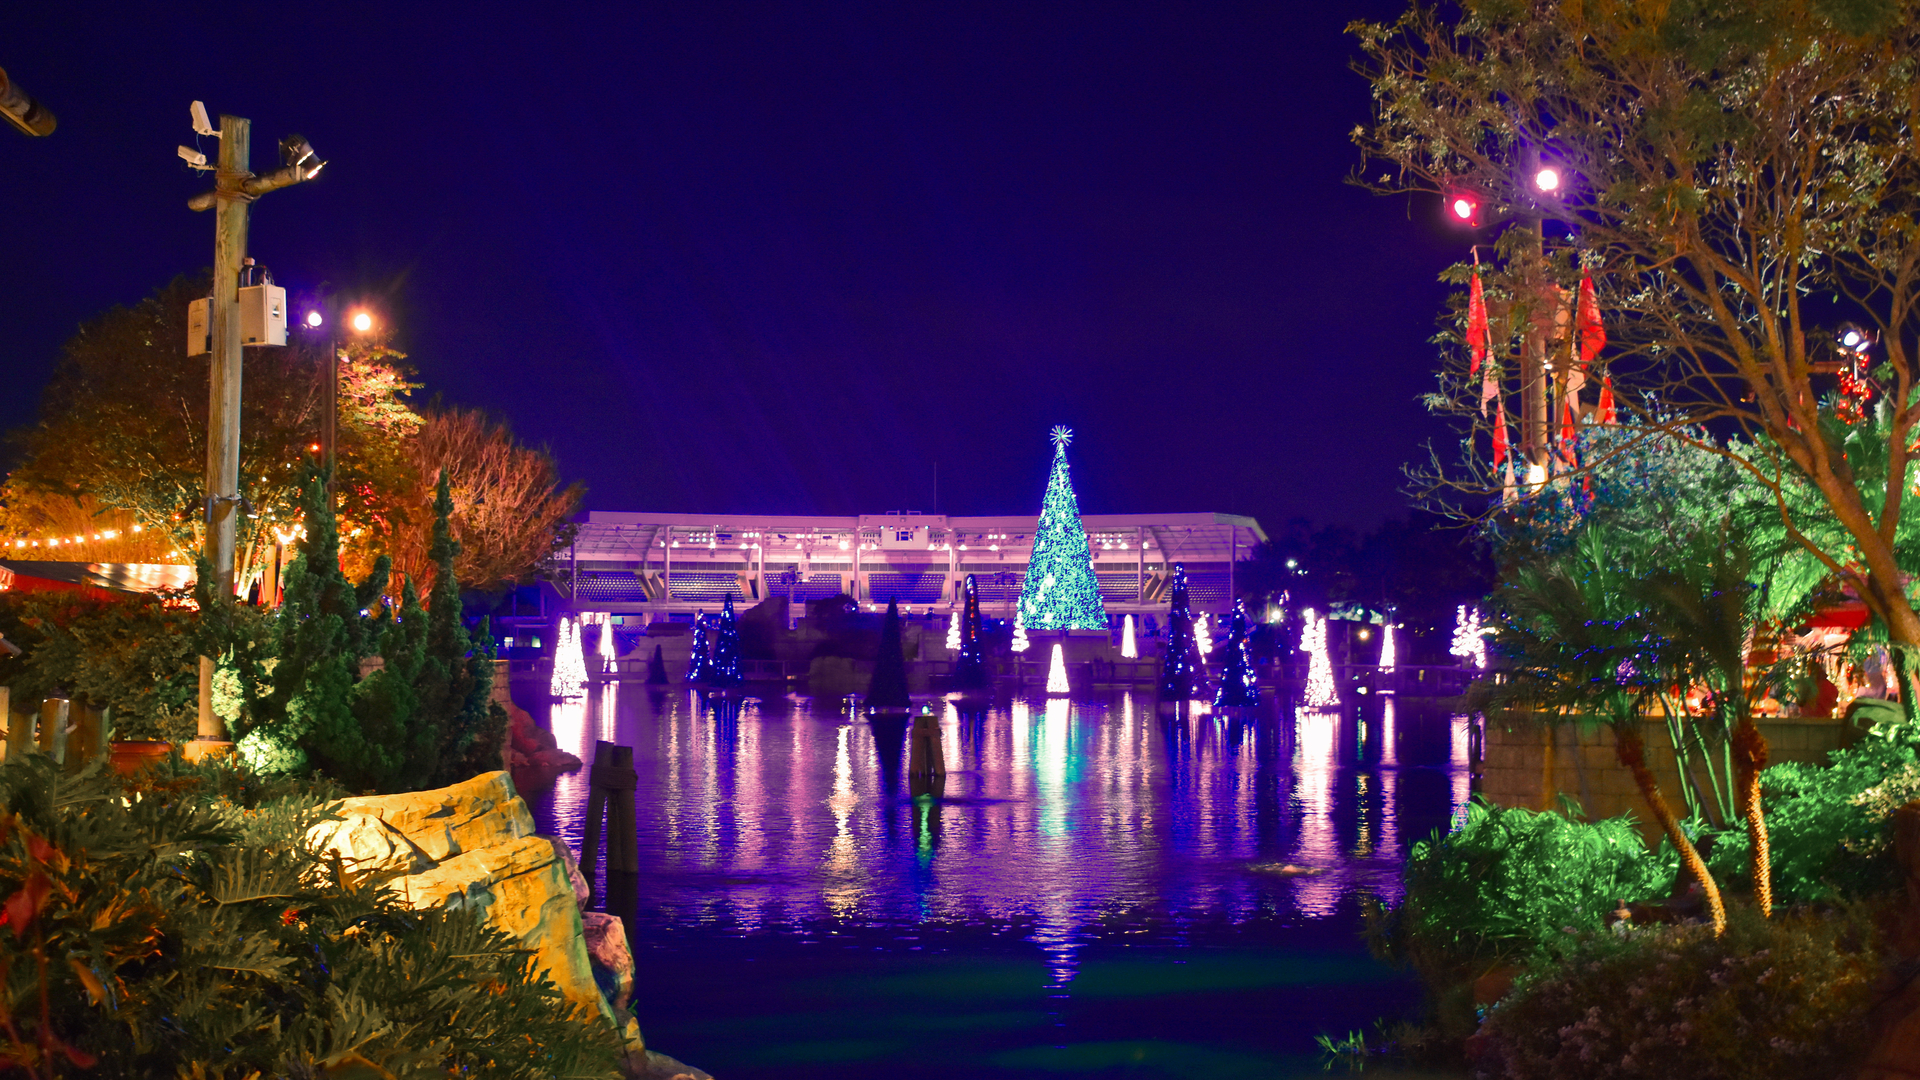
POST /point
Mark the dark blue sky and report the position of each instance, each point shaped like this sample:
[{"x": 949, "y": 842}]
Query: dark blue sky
[{"x": 786, "y": 257}]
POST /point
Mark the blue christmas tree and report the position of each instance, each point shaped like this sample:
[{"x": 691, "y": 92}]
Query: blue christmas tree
[
  {"x": 1180, "y": 664},
  {"x": 1237, "y": 685},
  {"x": 1060, "y": 591},
  {"x": 723, "y": 670},
  {"x": 970, "y": 670},
  {"x": 697, "y": 669}
]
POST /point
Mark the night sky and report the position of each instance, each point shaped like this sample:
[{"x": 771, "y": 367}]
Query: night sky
[{"x": 788, "y": 258}]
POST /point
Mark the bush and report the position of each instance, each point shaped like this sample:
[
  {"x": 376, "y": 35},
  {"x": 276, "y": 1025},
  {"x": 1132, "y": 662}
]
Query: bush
[
  {"x": 1830, "y": 826},
  {"x": 134, "y": 654},
  {"x": 1503, "y": 887},
  {"x": 180, "y": 926},
  {"x": 1771, "y": 999}
]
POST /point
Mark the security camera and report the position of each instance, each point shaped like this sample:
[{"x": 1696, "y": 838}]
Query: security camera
[
  {"x": 193, "y": 157},
  {"x": 201, "y": 125}
]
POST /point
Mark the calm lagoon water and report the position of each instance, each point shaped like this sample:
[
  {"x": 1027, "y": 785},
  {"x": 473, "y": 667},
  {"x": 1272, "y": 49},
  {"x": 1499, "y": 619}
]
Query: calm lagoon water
[{"x": 1100, "y": 891}]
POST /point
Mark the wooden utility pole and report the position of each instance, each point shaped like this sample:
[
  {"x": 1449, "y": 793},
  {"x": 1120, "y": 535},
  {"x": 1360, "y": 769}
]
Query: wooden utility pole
[
  {"x": 235, "y": 188},
  {"x": 223, "y": 400}
]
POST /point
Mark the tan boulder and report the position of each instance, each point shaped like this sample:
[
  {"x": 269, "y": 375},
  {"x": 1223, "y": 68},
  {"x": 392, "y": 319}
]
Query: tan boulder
[
  {"x": 449, "y": 821},
  {"x": 366, "y": 843}
]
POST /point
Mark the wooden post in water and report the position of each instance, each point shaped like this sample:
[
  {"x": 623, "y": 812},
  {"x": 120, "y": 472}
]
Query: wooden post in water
[
  {"x": 610, "y": 807},
  {"x": 926, "y": 759}
]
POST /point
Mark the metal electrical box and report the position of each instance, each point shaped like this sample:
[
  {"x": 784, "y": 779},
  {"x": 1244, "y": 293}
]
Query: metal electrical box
[
  {"x": 263, "y": 315},
  {"x": 200, "y": 327},
  {"x": 263, "y": 319}
]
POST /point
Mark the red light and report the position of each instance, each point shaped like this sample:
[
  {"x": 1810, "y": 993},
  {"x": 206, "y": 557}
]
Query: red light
[
  {"x": 314, "y": 447},
  {"x": 1463, "y": 207}
]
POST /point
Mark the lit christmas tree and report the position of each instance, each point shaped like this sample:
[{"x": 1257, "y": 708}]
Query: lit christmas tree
[
  {"x": 1057, "y": 671},
  {"x": 1320, "y": 691},
  {"x": 697, "y": 668},
  {"x": 1202, "y": 635},
  {"x": 607, "y": 651},
  {"x": 723, "y": 670},
  {"x": 1179, "y": 666},
  {"x": 1129, "y": 649},
  {"x": 953, "y": 632},
  {"x": 970, "y": 671},
  {"x": 1060, "y": 591},
  {"x": 1237, "y": 685},
  {"x": 1388, "y": 654},
  {"x": 1469, "y": 638},
  {"x": 569, "y": 665},
  {"x": 1020, "y": 642}
]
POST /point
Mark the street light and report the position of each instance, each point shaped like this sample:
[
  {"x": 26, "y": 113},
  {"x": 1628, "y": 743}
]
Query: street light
[{"x": 362, "y": 321}]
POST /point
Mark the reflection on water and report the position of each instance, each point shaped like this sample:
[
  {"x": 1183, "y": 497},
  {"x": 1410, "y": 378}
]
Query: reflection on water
[{"x": 1071, "y": 818}]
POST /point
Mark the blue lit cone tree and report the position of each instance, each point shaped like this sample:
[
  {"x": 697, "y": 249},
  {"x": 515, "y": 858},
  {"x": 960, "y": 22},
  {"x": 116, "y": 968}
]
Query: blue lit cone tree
[
  {"x": 970, "y": 670},
  {"x": 1060, "y": 591},
  {"x": 1179, "y": 667},
  {"x": 723, "y": 670},
  {"x": 888, "y": 690},
  {"x": 1237, "y": 685},
  {"x": 697, "y": 667}
]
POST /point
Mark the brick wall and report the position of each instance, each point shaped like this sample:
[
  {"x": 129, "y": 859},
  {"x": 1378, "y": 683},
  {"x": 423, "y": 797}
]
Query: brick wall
[{"x": 1530, "y": 765}]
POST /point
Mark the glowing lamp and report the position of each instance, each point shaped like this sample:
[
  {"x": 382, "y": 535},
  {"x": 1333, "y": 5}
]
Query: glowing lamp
[
  {"x": 1463, "y": 208},
  {"x": 1547, "y": 179},
  {"x": 362, "y": 321},
  {"x": 314, "y": 319}
]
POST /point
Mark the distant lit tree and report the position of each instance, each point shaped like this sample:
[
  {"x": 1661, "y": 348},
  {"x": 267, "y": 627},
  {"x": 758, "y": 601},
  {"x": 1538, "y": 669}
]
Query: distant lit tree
[
  {"x": 1237, "y": 681},
  {"x": 1060, "y": 591},
  {"x": 1180, "y": 664},
  {"x": 970, "y": 670},
  {"x": 723, "y": 670}
]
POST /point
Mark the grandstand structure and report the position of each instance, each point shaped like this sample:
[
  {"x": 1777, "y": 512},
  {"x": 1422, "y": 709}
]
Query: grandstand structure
[{"x": 661, "y": 565}]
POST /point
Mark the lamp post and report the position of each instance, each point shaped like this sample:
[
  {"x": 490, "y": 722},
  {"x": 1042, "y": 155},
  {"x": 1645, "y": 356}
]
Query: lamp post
[{"x": 362, "y": 322}]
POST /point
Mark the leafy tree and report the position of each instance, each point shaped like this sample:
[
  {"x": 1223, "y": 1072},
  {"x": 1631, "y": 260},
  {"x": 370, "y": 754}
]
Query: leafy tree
[
  {"x": 133, "y": 654},
  {"x": 509, "y": 510},
  {"x": 1738, "y": 177}
]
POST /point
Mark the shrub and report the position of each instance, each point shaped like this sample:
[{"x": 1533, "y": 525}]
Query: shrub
[
  {"x": 134, "y": 654},
  {"x": 1830, "y": 825},
  {"x": 1504, "y": 886},
  {"x": 1774, "y": 999},
  {"x": 181, "y": 926}
]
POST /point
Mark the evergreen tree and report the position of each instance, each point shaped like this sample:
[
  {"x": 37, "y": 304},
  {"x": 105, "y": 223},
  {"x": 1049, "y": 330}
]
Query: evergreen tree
[
  {"x": 723, "y": 671},
  {"x": 657, "y": 668},
  {"x": 888, "y": 690},
  {"x": 307, "y": 719},
  {"x": 697, "y": 667},
  {"x": 456, "y": 671},
  {"x": 970, "y": 669},
  {"x": 1060, "y": 591},
  {"x": 1179, "y": 664},
  {"x": 1237, "y": 685}
]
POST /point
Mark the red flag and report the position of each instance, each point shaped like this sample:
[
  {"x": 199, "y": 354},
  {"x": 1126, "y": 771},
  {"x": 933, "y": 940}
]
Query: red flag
[
  {"x": 1593, "y": 336},
  {"x": 1604, "y": 412},
  {"x": 1569, "y": 438},
  {"x": 1500, "y": 436},
  {"x": 1476, "y": 325}
]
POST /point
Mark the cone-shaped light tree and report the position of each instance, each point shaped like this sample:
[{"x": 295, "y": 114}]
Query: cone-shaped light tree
[
  {"x": 723, "y": 670},
  {"x": 1179, "y": 666},
  {"x": 970, "y": 670},
  {"x": 888, "y": 690},
  {"x": 1237, "y": 685},
  {"x": 697, "y": 666},
  {"x": 1060, "y": 591}
]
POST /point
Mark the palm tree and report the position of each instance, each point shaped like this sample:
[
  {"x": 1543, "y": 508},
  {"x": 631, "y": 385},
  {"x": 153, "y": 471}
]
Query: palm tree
[{"x": 1575, "y": 638}]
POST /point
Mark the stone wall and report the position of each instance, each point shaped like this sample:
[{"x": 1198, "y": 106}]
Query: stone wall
[{"x": 1531, "y": 765}]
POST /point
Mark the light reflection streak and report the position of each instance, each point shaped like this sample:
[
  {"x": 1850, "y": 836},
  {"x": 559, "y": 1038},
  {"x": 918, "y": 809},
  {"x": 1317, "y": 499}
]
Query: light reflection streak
[
  {"x": 1460, "y": 732},
  {"x": 1316, "y": 742}
]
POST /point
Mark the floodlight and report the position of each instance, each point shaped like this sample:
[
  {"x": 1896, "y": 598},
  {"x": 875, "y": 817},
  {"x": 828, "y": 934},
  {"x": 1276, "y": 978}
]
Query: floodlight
[
  {"x": 362, "y": 321},
  {"x": 201, "y": 125},
  {"x": 1855, "y": 339},
  {"x": 295, "y": 150}
]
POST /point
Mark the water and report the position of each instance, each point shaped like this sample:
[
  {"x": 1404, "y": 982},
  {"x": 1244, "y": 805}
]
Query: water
[{"x": 1101, "y": 890}]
